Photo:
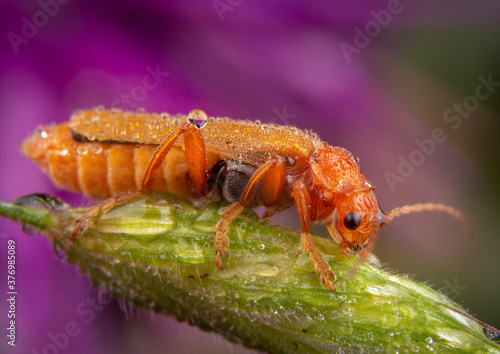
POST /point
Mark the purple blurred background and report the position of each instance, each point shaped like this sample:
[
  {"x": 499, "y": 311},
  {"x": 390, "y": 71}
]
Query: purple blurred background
[{"x": 285, "y": 63}]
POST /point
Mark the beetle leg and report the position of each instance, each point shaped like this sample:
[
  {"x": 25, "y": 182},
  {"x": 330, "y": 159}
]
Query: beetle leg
[
  {"x": 103, "y": 207},
  {"x": 221, "y": 239},
  {"x": 303, "y": 201},
  {"x": 197, "y": 170},
  {"x": 271, "y": 188},
  {"x": 272, "y": 183},
  {"x": 268, "y": 214},
  {"x": 194, "y": 149},
  {"x": 260, "y": 176},
  {"x": 330, "y": 225}
]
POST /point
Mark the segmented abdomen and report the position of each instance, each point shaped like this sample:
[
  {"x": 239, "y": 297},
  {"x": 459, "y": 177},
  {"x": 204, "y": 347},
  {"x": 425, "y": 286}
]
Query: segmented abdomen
[{"x": 100, "y": 170}]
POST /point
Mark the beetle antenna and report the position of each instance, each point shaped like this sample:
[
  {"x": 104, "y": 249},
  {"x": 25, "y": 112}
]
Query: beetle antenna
[{"x": 415, "y": 208}]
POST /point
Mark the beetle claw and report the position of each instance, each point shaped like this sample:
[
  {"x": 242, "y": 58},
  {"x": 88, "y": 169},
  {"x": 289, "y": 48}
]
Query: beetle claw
[
  {"x": 83, "y": 221},
  {"x": 326, "y": 276},
  {"x": 79, "y": 227},
  {"x": 324, "y": 279},
  {"x": 219, "y": 251}
]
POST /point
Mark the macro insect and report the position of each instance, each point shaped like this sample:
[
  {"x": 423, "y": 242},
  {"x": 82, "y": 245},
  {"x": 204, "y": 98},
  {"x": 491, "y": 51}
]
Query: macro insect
[{"x": 115, "y": 156}]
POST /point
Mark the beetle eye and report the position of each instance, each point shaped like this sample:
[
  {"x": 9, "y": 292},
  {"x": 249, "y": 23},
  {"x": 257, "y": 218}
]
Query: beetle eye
[{"x": 352, "y": 220}]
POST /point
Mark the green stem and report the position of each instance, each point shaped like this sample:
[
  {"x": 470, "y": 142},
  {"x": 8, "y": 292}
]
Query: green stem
[
  {"x": 32, "y": 217},
  {"x": 158, "y": 252}
]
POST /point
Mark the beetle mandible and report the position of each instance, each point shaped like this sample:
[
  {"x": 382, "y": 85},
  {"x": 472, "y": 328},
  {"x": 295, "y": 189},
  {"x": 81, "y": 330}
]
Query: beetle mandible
[{"x": 115, "y": 156}]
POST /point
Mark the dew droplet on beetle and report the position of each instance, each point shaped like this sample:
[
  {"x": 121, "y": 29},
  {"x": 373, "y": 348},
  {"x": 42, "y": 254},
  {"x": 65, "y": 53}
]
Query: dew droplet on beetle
[{"x": 198, "y": 118}]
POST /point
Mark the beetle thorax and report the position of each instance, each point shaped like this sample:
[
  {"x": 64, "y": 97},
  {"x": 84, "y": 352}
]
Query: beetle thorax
[{"x": 336, "y": 169}]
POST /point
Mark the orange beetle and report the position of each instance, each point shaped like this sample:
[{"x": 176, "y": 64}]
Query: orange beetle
[{"x": 116, "y": 156}]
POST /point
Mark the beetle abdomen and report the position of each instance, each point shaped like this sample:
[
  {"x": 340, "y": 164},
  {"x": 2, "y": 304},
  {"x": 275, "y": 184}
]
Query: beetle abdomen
[{"x": 100, "y": 170}]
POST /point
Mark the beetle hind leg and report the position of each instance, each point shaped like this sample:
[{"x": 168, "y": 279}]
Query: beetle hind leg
[
  {"x": 104, "y": 206},
  {"x": 197, "y": 173}
]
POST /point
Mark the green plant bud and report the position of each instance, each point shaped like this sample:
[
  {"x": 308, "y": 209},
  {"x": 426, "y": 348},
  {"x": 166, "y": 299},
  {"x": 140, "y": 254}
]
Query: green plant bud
[{"x": 158, "y": 252}]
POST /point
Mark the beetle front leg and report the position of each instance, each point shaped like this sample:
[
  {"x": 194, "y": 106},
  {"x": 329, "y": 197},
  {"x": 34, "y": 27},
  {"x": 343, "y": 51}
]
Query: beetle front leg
[
  {"x": 303, "y": 201},
  {"x": 330, "y": 226}
]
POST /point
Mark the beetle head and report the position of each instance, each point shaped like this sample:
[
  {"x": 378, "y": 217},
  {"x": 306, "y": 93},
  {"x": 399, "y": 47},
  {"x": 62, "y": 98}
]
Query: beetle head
[
  {"x": 358, "y": 219},
  {"x": 358, "y": 216}
]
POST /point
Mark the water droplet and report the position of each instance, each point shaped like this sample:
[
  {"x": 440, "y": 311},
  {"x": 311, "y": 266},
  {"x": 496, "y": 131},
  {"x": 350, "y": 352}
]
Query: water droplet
[
  {"x": 262, "y": 246},
  {"x": 164, "y": 115},
  {"x": 491, "y": 334},
  {"x": 44, "y": 134},
  {"x": 198, "y": 118},
  {"x": 99, "y": 108},
  {"x": 29, "y": 230},
  {"x": 96, "y": 149},
  {"x": 258, "y": 122},
  {"x": 95, "y": 119},
  {"x": 429, "y": 340},
  {"x": 63, "y": 152},
  {"x": 140, "y": 110},
  {"x": 81, "y": 149},
  {"x": 113, "y": 260}
]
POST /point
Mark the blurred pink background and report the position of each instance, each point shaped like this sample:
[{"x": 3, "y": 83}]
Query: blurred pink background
[{"x": 282, "y": 62}]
